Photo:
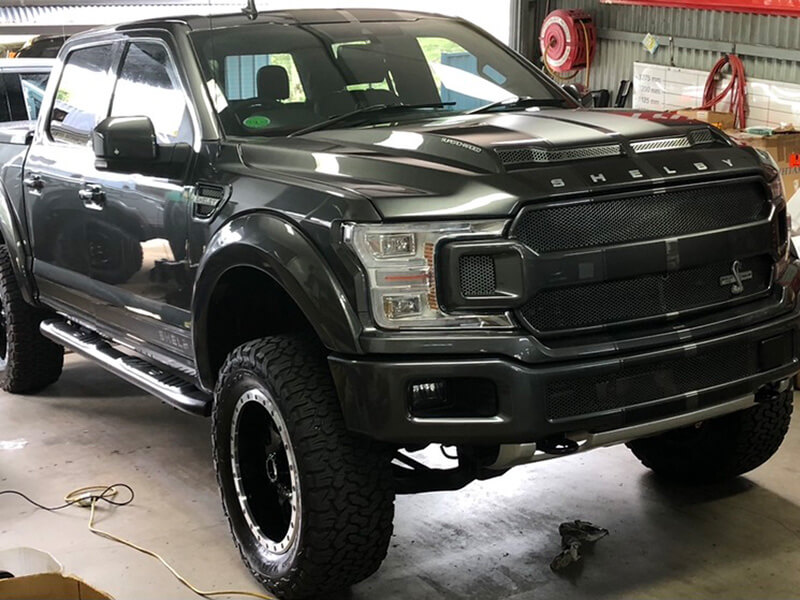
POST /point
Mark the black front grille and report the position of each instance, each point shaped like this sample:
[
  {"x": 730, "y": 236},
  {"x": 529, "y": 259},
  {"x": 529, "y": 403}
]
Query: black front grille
[
  {"x": 636, "y": 385},
  {"x": 652, "y": 216},
  {"x": 476, "y": 275},
  {"x": 642, "y": 297}
]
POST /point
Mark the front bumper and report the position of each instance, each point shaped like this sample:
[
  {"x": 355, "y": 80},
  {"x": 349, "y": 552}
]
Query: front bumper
[{"x": 535, "y": 402}]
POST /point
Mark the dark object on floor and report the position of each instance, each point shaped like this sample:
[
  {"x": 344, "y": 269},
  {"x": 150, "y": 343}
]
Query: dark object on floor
[
  {"x": 574, "y": 534},
  {"x": 6, "y": 575}
]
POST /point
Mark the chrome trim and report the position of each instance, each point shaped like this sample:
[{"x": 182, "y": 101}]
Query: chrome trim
[
  {"x": 660, "y": 145},
  {"x": 178, "y": 392},
  {"x": 693, "y": 138},
  {"x": 512, "y": 455}
]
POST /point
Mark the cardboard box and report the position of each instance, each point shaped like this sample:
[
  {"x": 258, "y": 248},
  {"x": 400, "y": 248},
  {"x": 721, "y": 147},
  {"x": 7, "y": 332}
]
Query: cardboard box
[
  {"x": 720, "y": 120},
  {"x": 39, "y": 576}
]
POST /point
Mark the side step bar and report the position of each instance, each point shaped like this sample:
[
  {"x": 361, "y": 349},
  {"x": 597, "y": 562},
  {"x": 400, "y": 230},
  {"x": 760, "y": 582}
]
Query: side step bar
[{"x": 163, "y": 385}]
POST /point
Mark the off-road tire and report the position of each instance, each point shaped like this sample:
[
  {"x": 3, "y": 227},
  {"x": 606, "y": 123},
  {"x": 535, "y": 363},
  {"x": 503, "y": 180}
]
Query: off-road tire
[
  {"x": 346, "y": 487},
  {"x": 719, "y": 448},
  {"x": 31, "y": 361}
]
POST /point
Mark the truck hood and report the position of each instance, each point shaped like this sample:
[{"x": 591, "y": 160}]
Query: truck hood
[{"x": 488, "y": 165}]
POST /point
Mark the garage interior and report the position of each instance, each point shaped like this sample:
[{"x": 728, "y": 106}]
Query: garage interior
[{"x": 496, "y": 538}]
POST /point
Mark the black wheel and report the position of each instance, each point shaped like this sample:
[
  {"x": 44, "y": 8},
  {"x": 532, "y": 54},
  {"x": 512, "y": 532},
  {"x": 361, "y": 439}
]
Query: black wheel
[
  {"x": 310, "y": 506},
  {"x": 719, "y": 448},
  {"x": 28, "y": 360}
]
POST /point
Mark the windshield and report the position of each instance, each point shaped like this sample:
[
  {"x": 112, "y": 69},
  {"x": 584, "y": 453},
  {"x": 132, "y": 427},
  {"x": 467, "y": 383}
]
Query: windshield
[{"x": 271, "y": 79}]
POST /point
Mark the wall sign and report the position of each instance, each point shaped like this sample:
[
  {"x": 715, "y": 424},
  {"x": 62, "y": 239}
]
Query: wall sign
[{"x": 762, "y": 7}]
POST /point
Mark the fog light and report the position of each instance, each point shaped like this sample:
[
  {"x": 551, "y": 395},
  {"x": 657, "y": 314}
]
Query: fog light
[
  {"x": 458, "y": 397},
  {"x": 428, "y": 396},
  {"x": 399, "y": 307}
]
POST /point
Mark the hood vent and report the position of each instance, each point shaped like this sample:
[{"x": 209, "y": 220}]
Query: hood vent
[
  {"x": 695, "y": 138},
  {"x": 516, "y": 157}
]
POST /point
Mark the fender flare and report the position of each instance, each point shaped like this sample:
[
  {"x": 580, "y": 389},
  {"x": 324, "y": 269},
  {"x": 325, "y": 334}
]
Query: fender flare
[
  {"x": 276, "y": 247},
  {"x": 12, "y": 237}
]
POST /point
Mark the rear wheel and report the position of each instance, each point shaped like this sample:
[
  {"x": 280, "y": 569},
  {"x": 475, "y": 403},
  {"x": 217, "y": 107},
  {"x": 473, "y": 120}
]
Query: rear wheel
[
  {"x": 719, "y": 448},
  {"x": 28, "y": 360},
  {"x": 310, "y": 506}
]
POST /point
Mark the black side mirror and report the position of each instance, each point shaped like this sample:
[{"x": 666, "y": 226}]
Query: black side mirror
[
  {"x": 585, "y": 100},
  {"x": 125, "y": 140},
  {"x": 128, "y": 145}
]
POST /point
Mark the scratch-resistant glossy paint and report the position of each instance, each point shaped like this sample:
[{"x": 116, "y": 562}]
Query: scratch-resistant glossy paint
[{"x": 288, "y": 197}]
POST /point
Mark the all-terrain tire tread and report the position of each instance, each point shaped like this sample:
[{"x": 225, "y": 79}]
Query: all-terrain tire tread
[
  {"x": 738, "y": 443},
  {"x": 346, "y": 482},
  {"x": 34, "y": 362}
]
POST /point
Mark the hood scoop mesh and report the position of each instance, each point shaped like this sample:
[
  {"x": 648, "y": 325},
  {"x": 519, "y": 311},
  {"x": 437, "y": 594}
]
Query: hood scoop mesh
[
  {"x": 695, "y": 138},
  {"x": 514, "y": 157},
  {"x": 520, "y": 156}
]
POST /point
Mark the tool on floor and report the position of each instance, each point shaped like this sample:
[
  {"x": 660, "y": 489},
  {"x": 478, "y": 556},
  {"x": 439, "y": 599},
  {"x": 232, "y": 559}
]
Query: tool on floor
[
  {"x": 90, "y": 496},
  {"x": 574, "y": 535}
]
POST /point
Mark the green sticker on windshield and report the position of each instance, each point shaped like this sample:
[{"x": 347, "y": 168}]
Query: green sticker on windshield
[{"x": 257, "y": 122}]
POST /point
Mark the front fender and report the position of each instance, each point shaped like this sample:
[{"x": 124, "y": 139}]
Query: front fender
[
  {"x": 12, "y": 237},
  {"x": 278, "y": 248}
]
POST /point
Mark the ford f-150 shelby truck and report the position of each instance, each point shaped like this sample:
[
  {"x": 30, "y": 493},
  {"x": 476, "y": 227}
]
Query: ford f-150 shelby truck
[{"x": 347, "y": 235}]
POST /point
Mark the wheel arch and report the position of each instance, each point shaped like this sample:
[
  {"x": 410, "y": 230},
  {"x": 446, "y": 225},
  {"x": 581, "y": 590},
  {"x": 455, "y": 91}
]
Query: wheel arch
[
  {"x": 11, "y": 237},
  {"x": 271, "y": 258}
]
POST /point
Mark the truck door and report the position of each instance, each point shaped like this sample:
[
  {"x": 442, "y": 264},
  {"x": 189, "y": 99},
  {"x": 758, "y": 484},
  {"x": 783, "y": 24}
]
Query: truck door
[
  {"x": 60, "y": 176},
  {"x": 138, "y": 240}
]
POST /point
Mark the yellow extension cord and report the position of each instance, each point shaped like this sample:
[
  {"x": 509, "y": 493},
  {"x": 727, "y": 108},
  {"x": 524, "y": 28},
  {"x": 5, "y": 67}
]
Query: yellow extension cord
[{"x": 91, "y": 494}]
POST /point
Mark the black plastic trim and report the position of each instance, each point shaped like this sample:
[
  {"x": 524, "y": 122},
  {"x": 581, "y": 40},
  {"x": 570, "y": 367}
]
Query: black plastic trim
[{"x": 373, "y": 392}]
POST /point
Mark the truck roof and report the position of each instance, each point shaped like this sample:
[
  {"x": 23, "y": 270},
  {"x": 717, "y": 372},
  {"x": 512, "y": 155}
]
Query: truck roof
[{"x": 306, "y": 16}]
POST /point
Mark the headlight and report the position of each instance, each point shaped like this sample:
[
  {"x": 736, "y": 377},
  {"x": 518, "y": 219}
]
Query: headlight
[{"x": 400, "y": 261}]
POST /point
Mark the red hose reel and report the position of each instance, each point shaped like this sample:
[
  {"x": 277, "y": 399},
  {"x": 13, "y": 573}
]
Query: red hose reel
[{"x": 568, "y": 40}]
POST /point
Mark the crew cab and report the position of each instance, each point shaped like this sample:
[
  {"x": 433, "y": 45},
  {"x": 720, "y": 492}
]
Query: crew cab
[{"x": 346, "y": 235}]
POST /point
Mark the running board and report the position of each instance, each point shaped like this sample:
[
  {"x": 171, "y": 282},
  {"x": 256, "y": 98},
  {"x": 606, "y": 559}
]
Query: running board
[{"x": 170, "y": 388}]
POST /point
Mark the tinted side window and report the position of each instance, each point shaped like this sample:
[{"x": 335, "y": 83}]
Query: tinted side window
[
  {"x": 82, "y": 96},
  {"x": 148, "y": 86},
  {"x": 33, "y": 86}
]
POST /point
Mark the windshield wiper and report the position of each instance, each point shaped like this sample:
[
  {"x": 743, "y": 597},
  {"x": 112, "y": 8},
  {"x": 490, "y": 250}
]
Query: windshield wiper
[
  {"x": 515, "y": 103},
  {"x": 366, "y": 110}
]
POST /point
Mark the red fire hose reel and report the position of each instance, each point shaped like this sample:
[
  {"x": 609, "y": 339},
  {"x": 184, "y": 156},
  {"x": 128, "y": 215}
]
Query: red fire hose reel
[{"x": 568, "y": 40}]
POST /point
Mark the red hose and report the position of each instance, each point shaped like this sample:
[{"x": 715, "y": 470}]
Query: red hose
[{"x": 737, "y": 89}]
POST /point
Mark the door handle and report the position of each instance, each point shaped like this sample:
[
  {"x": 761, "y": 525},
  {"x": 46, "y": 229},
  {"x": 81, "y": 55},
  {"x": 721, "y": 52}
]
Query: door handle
[
  {"x": 93, "y": 196},
  {"x": 33, "y": 182}
]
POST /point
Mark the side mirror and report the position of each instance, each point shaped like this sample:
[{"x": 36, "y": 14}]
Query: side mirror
[
  {"x": 584, "y": 99},
  {"x": 128, "y": 145},
  {"x": 125, "y": 140}
]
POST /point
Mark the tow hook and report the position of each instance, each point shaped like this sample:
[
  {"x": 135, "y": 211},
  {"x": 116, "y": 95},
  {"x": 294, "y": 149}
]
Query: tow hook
[
  {"x": 772, "y": 391},
  {"x": 557, "y": 446}
]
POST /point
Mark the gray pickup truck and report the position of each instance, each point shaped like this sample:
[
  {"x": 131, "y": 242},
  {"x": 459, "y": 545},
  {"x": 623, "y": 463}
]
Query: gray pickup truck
[{"x": 348, "y": 235}]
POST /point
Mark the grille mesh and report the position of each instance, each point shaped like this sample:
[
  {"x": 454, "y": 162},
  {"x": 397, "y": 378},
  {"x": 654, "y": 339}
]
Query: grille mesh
[
  {"x": 635, "y": 385},
  {"x": 477, "y": 276},
  {"x": 609, "y": 302},
  {"x": 653, "y": 216}
]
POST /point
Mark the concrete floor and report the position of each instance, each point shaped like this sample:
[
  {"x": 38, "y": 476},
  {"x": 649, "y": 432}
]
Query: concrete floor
[{"x": 492, "y": 540}]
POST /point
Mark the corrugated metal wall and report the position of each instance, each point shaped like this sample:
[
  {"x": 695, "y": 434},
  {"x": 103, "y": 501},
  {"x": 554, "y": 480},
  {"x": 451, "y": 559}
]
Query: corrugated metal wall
[{"x": 698, "y": 39}]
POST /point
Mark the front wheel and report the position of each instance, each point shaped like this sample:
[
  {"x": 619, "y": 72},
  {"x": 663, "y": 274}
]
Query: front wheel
[
  {"x": 29, "y": 362},
  {"x": 310, "y": 506},
  {"x": 719, "y": 448}
]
